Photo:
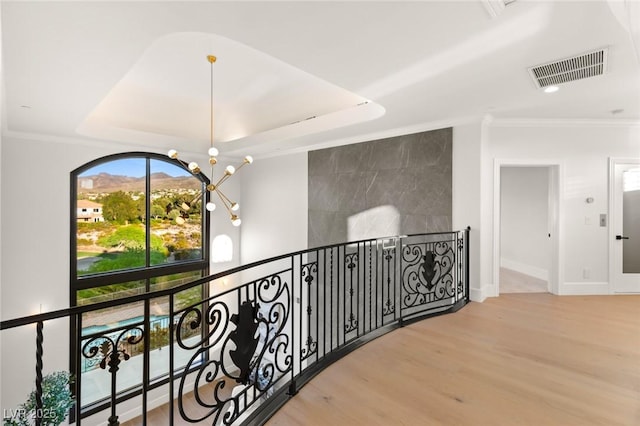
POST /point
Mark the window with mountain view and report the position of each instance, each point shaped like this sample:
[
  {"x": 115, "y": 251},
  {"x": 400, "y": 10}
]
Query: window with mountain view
[
  {"x": 137, "y": 226},
  {"x": 120, "y": 201}
]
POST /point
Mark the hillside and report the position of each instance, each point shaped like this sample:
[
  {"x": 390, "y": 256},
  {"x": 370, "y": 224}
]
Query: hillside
[{"x": 105, "y": 182}]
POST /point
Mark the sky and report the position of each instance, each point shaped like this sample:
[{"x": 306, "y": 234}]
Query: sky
[{"x": 135, "y": 167}]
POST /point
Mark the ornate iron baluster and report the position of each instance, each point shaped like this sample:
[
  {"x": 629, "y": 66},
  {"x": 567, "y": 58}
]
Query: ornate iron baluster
[
  {"x": 113, "y": 354},
  {"x": 351, "y": 263},
  {"x": 331, "y": 297},
  {"x": 389, "y": 307},
  {"x": 307, "y": 276},
  {"x": 370, "y": 282}
]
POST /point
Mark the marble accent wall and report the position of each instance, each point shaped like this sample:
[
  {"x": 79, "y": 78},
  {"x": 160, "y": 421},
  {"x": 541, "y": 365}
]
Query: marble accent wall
[{"x": 399, "y": 185}]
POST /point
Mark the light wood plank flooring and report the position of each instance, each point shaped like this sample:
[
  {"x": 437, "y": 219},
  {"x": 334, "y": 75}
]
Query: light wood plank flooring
[
  {"x": 517, "y": 282},
  {"x": 520, "y": 359}
]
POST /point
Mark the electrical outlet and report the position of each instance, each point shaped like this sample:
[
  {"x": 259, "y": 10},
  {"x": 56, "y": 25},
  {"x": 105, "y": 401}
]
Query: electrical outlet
[
  {"x": 586, "y": 273},
  {"x": 603, "y": 220}
]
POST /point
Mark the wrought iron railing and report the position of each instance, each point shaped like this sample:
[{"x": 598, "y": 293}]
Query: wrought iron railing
[{"x": 265, "y": 331}]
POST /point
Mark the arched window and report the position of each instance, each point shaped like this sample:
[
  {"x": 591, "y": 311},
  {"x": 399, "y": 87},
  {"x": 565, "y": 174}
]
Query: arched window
[
  {"x": 135, "y": 218},
  {"x": 137, "y": 225}
]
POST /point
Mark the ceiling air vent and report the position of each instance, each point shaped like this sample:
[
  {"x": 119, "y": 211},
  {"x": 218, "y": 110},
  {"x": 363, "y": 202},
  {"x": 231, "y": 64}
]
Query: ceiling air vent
[{"x": 575, "y": 68}]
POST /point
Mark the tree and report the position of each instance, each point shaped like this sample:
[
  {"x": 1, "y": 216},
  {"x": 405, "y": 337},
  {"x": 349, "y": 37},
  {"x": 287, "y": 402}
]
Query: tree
[
  {"x": 120, "y": 208},
  {"x": 157, "y": 211}
]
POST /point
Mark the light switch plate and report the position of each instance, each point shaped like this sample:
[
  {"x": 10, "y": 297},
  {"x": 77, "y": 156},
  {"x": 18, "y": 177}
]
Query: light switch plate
[{"x": 603, "y": 219}]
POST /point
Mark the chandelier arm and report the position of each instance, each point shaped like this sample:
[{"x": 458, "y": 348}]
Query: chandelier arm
[
  {"x": 225, "y": 201},
  {"x": 199, "y": 195},
  {"x": 222, "y": 195},
  {"x": 222, "y": 179}
]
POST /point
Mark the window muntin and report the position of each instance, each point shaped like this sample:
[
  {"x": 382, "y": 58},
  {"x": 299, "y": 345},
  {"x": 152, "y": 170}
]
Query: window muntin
[{"x": 104, "y": 293}]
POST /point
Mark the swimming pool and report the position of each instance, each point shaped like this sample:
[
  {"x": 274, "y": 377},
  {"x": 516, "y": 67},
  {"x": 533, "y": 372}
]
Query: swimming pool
[{"x": 161, "y": 320}]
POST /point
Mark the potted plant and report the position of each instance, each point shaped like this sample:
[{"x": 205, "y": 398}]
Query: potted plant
[{"x": 57, "y": 400}]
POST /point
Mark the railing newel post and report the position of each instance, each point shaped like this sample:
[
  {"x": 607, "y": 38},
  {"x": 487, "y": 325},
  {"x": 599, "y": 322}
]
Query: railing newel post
[
  {"x": 293, "y": 389},
  {"x": 292, "y": 303},
  {"x": 466, "y": 264},
  {"x": 398, "y": 273},
  {"x": 39, "y": 353}
]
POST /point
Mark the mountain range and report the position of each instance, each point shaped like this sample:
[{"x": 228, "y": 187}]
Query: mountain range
[{"x": 105, "y": 182}]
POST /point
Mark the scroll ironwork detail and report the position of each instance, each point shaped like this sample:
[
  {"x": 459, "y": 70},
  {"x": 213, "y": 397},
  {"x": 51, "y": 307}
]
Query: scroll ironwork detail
[
  {"x": 427, "y": 273},
  {"x": 255, "y": 352}
]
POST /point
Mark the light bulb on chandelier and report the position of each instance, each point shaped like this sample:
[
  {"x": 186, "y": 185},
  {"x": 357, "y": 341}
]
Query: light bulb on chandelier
[{"x": 213, "y": 152}]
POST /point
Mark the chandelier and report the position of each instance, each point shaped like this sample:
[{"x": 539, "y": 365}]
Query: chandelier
[{"x": 231, "y": 206}]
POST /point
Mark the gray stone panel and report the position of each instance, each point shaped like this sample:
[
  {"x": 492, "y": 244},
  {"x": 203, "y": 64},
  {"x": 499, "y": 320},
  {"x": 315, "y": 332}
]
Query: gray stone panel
[{"x": 399, "y": 185}]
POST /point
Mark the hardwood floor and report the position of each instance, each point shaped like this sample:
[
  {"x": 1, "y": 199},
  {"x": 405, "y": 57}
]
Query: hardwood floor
[
  {"x": 520, "y": 359},
  {"x": 517, "y": 282}
]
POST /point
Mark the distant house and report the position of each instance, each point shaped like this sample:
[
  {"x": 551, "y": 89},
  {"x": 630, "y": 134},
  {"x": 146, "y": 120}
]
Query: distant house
[{"x": 89, "y": 211}]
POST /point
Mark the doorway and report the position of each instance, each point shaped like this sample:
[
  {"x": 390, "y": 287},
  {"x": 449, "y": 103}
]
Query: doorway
[
  {"x": 526, "y": 222},
  {"x": 624, "y": 232}
]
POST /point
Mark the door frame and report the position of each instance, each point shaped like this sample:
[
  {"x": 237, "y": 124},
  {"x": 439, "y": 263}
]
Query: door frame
[
  {"x": 556, "y": 185},
  {"x": 613, "y": 161}
]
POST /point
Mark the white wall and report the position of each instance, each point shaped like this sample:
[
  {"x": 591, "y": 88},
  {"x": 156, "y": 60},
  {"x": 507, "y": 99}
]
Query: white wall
[
  {"x": 466, "y": 194},
  {"x": 35, "y": 252},
  {"x": 275, "y": 199},
  {"x": 35, "y": 249},
  {"x": 524, "y": 197},
  {"x": 1, "y": 133},
  {"x": 582, "y": 149}
]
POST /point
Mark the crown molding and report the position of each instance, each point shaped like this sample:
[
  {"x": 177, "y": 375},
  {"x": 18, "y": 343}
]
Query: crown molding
[
  {"x": 569, "y": 122},
  {"x": 97, "y": 143},
  {"x": 42, "y": 137},
  {"x": 373, "y": 136}
]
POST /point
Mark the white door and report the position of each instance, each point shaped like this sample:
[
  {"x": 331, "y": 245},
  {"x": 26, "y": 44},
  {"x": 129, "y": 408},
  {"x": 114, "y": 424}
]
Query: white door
[{"x": 625, "y": 223}]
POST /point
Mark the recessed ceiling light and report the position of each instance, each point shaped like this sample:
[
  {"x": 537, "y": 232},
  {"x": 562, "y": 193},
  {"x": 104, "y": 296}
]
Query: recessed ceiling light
[{"x": 551, "y": 89}]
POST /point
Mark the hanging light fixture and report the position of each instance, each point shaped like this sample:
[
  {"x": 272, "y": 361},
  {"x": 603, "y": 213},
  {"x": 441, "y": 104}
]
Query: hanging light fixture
[{"x": 231, "y": 206}]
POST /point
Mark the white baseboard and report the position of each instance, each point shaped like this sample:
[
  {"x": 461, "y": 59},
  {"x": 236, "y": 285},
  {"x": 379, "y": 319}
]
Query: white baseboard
[
  {"x": 584, "y": 288},
  {"x": 476, "y": 295},
  {"x": 523, "y": 268},
  {"x": 480, "y": 294}
]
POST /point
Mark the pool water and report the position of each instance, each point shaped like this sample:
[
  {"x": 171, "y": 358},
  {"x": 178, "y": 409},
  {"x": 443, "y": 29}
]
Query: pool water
[{"x": 162, "y": 320}]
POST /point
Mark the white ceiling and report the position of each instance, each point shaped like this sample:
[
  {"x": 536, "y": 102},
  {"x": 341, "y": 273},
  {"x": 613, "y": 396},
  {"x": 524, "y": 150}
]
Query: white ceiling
[{"x": 136, "y": 72}]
